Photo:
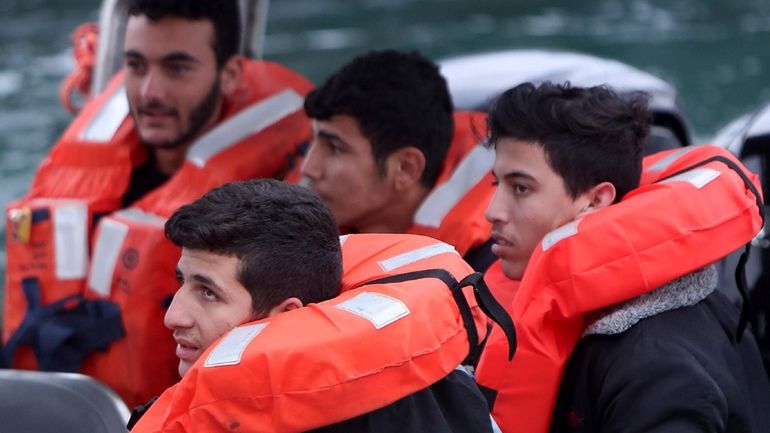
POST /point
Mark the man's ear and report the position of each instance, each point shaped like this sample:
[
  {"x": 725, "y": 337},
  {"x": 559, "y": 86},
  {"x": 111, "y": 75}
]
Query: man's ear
[
  {"x": 288, "y": 304},
  {"x": 406, "y": 166},
  {"x": 600, "y": 196},
  {"x": 230, "y": 75}
]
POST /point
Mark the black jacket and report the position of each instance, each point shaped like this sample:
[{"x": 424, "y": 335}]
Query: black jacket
[
  {"x": 452, "y": 405},
  {"x": 668, "y": 361}
]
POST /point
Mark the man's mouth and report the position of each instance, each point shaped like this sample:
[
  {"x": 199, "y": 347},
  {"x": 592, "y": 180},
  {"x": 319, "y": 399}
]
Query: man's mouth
[
  {"x": 503, "y": 243},
  {"x": 185, "y": 350},
  {"x": 500, "y": 240},
  {"x": 156, "y": 112},
  {"x": 501, "y": 247}
]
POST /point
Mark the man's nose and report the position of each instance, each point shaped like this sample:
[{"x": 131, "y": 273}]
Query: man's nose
[
  {"x": 153, "y": 86},
  {"x": 178, "y": 314},
  {"x": 496, "y": 210},
  {"x": 312, "y": 165}
]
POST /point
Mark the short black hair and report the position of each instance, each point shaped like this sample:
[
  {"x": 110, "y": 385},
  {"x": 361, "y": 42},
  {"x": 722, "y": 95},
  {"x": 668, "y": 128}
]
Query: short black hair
[
  {"x": 589, "y": 135},
  {"x": 223, "y": 14},
  {"x": 285, "y": 238},
  {"x": 398, "y": 99}
]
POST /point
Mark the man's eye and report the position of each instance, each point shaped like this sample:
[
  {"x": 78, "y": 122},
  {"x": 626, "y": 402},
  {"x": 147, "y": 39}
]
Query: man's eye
[
  {"x": 520, "y": 189},
  {"x": 178, "y": 68},
  {"x": 134, "y": 66},
  {"x": 209, "y": 294},
  {"x": 334, "y": 148}
]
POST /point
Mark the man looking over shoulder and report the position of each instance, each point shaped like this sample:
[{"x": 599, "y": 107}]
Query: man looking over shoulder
[
  {"x": 186, "y": 114},
  {"x": 250, "y": 250},
  {"x": 259, "y": 248},
  {"x": 389, "y": 156}
]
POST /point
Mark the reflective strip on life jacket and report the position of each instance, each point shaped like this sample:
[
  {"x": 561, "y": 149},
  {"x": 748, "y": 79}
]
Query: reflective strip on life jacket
[
  {"x": 251, "y": 120},
  {"x": 70, "y": 220},
  {"x": 698, "y": 177},
  {"x": 410, "y": 257},
  {"x": 107, "y": 120},
  {"x": 667, "y": 160},
  {"x": 477, "y": 164},
  {"x": 109, "y": 241}
]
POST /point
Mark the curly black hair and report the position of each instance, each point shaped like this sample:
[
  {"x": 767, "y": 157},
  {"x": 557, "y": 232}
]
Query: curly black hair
[
  {"x": 589, "y": 135},
  {"x": 398, "y": 99}
]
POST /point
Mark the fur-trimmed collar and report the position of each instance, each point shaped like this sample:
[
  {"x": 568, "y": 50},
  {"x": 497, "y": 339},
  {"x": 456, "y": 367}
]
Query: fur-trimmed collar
[{"x": 682, "y": 292}]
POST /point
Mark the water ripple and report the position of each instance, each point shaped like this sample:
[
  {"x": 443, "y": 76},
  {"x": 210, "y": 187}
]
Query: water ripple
[{"x": 10, "y": 83}]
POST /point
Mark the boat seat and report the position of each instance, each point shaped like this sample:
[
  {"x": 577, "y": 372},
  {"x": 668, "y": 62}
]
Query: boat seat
[
  {"x": 661, "y": 139},
  {"x": 43, "y": 402}
]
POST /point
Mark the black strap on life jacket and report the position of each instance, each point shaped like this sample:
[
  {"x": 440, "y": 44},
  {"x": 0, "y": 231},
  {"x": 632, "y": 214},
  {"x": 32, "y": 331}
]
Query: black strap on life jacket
[
  {"x": 484, "y": 298},
  {"x": 62, "y": 333},
  {"x": 740, "y": 269},
  {"x": 138, "y": 412}
]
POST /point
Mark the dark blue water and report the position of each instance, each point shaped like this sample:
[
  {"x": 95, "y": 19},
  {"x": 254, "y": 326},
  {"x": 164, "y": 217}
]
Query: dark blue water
[{"x": 717, "y": 53}]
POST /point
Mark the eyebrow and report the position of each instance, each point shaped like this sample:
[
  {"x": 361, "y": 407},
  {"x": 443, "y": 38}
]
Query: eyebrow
[
  {"x": 207, "y": 281},
  {"x": 332, "y": 136},
  {"x": 176, "y": 56},
  {"x": 203, "y": 279},
  {"x": 516, "y": 174}
]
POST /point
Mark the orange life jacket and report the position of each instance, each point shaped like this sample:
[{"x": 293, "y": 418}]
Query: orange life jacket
[
  {"x": 666, "y": 228},
  {"x": 55, "y": 250},
  {"x": 454, "y": 210},
  {"x": 401, "y": 323}
]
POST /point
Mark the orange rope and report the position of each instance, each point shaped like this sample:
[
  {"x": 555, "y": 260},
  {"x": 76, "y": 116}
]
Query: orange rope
[{"x": 84, "y": 41}]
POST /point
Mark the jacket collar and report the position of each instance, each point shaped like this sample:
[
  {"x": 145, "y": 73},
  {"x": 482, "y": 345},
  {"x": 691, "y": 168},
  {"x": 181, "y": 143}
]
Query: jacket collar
[{"x": 682, "y": 292}]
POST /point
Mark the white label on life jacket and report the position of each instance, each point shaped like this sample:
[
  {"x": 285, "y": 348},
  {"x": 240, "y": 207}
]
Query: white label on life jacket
[
  {"x": 230, "y": 349},
  {"x": 251, "y": 120},
  {"x": 377, "y": 308},
  {"x": 415, "y": 255},
  {"x": 445, "y": 197},
  {"x": 563, "y": 232},
  {"x": 106, "y": 122},
  {"x": 71, "y": 240},
  {"x": 699, "y": 177},
  {"x": 110, "y": 239}
]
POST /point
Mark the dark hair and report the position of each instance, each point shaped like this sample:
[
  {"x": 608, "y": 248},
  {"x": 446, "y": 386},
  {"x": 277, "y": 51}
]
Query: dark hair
[
  {"x": 223, "y": 15},
  {"x": 285, "y": 237},
  {"x": 398, "y": 99},
  {"x": 589, "y": 135}
]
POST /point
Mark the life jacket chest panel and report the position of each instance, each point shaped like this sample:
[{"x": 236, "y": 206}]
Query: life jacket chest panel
[
  {"x": 47, "y": 241},
  {"x": 654, "y": 235},
  {"x": 132, "y": 266},
  {"x": 327, "y": 361}
]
